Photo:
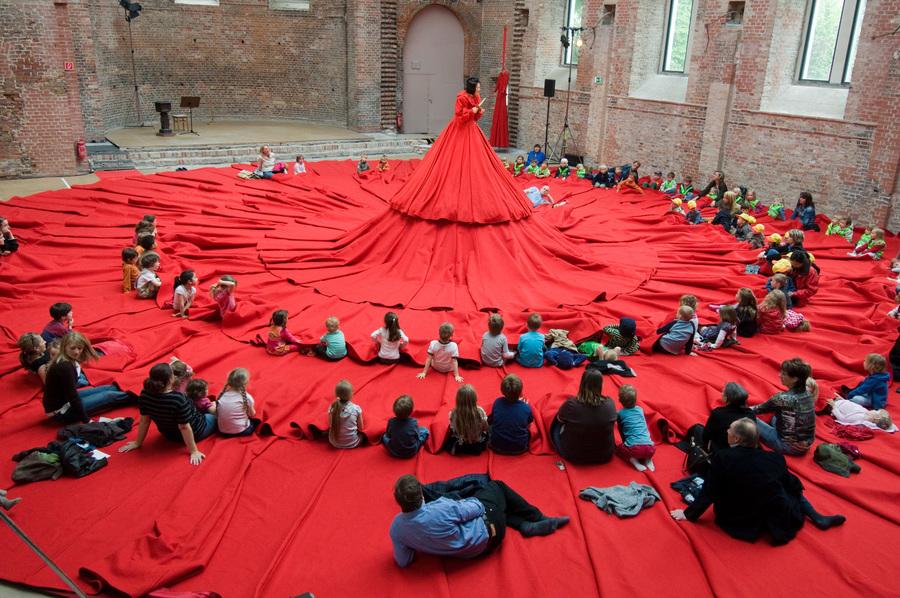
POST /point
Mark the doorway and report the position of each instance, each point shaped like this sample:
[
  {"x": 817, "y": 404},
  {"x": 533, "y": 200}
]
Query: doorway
[{"x": 432, "y": 70}]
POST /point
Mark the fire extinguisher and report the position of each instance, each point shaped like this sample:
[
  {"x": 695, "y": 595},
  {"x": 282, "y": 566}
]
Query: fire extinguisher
[
  {"x": 80, "y": 149},
  {"x": 399, "y": 121}
]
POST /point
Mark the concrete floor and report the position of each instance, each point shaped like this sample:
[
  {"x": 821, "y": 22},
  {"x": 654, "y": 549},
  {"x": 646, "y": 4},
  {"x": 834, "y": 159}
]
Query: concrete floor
[{"x": 232, "y": 133}]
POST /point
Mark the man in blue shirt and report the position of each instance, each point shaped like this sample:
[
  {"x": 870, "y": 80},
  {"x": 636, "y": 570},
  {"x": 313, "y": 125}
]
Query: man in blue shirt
[
  {"x": 536, "y": 154},
  {"x": 462, "y": 528}
]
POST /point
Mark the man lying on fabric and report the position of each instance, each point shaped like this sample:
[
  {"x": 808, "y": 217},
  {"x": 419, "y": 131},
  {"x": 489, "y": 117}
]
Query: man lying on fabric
[
  {"x": 540, "y": 196},
  {"x": 464, "y": 528}
]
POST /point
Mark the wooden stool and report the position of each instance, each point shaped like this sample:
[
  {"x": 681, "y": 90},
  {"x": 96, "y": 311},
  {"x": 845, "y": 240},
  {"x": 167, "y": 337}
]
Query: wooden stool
[{"x": 180, "y": 122}]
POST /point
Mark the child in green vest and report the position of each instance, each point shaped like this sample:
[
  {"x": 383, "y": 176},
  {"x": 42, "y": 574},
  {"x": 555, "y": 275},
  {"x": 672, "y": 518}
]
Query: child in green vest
[{"x": 841, "y": 226}]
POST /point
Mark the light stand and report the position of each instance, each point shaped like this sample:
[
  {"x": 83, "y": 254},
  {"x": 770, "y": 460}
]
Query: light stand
[
  {"x": 568, "y": 32},
  {"x": 132, "y": 12}
]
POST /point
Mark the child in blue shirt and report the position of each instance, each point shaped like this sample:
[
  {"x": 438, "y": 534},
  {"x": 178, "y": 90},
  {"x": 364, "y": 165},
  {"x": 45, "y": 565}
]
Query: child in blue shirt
[
  {"x": 637, "y": 446},
  {"x": 531, "y": 344},
  {"x": 331, "y": 344},
  {"x": 508, "y": 433},
  {"x": 404, "y": 437},
  {"x": 872, "y": 392}
]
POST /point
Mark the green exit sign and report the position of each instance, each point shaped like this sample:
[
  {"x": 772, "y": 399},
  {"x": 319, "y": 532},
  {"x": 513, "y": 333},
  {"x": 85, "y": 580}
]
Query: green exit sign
[{"x": 598, "y": 79}]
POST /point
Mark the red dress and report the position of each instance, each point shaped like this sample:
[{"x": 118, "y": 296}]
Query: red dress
[{"x": 461, "y": 179}]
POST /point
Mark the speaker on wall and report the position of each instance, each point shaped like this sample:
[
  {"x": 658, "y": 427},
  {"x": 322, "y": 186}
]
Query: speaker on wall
[{"x": 549, "y": 88}]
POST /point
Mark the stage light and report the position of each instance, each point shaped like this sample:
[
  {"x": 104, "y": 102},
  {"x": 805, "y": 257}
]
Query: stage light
[
  {"x": 132, "y": 9},
  {"x": 579, "y": 42}
]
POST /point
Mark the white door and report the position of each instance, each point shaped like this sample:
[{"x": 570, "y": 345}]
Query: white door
[{"x": 432, "y": 70}]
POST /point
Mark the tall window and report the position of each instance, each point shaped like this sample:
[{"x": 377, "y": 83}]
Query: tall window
[
  {"x": 678, "y": 33},
  {"x": 832, "y": 34},
  {"x": 573, "y": 19}
]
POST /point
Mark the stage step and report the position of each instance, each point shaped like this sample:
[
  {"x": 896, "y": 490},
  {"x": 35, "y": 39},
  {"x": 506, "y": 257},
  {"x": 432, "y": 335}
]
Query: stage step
[{"x": 106, "y": 156}]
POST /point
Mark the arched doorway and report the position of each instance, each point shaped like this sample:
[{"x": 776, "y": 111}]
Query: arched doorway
[{"x": 432, "y": 70}]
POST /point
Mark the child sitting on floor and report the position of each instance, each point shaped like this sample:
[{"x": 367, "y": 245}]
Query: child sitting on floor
[
  {"x": 863, "y": 240},
  {"x": 362, "y": 165},
  {"x": 580, "y": 172},
  {"x": 722, "y": 334},
  {"x": 563, "y": 171},
  {"x": 637, "y": 446},
  {"x": 508, "y": 433},
  {"x": 468, "y": 424},
  {"x": 61, "y": 324},
  {"x": 8, "y": 241},
  {"x": 383, "y": 165},
  {"x": 182, "y": 374},
  {"x": 783, "y": 283},
  {"x": 533, "y": 167},
  {"x": 686, "y": 188},
  {"x": 872, "y": 392},
  {"x": 222, "y": 293},
  {"x": 299, "y": 166},
  {"x": 531, "y": 344},
  {"x": 148, "y": 282},
  {"x": 544, "y": 171},
  {"x": 655, "y": 181},
  {"x": 494, "y": 347},
  {"x": 185, "y": 289},
  {"x": 670, "y": 185},
  {"x": 145, "y": 242},
  {"x": 742, "y": 231},
  {"x": 675, "y": 206},
  {"x": 519, "y": 167},
  {"x": 630, "y": 183},
  {"x": 770, "y": 314},
  {"x": 874, "y": 248},
  {"x": 746, "y": 311},
  {"x": 757, "y": 240},
  {"x": 130, "y": 271},
  {"x": 235, "y": 406},
  {"x": 390, "y": 339},
  {"x": 677, "y": 334},
  {"x": 278, "y": 340},
  {"x": 197, "y": 390},
  {"x": 776, "y": 210},
  {"x": 332, "y": 345},
  {"x": 693, "y": 215},
  {"x": 443, "y": 354},
  {"x": 622, "y": 336},
  {"x": 344, "y": 418},
  {"x": 404, "y": 436},
  {"x": 841, "y": 226}
]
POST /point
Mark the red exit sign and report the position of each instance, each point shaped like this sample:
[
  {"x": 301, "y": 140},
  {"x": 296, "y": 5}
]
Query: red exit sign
[{"x": 70, "y": 66}]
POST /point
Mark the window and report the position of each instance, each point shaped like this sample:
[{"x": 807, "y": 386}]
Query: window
[
  {"x": 199, "y": 2},
  {"x": 573, "y": 20},
  {"x": 678, "y": 33},
  {"x": 832, "y": 33},
  {"x": 289, "y": 4}
]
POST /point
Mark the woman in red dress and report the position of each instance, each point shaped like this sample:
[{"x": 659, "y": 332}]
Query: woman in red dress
[{"x": 461, "y": 178}]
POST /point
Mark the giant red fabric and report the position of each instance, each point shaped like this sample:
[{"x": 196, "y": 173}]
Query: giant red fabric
[
  {"x": 283, "y": 513},
  {"x": 499, "y": 121}
]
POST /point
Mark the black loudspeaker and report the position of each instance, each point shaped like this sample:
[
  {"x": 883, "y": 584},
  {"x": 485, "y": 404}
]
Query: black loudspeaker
[{"x": 549, "y": 88}]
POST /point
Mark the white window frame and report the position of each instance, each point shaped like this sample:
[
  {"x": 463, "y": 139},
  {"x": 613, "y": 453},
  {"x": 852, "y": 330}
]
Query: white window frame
[
  {"x": 667, "y": 38},
  {"x": 198, "y": 2},
  {"x": 570, "y": 53},
  {"x": 289, "y": 4},
  {"x": 845, "y": 47}
]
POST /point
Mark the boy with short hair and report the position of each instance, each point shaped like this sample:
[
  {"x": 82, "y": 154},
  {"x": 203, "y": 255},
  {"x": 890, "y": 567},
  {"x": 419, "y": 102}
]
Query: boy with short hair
[
  {"x": 531, "y": 344},
  {"x": 332, "y": 345},
  {"x": 637, "y": 446},
  {"x": 404, "y": 436},
  {"x": 693, "y": 215},
  {"x": 61, "y": 324},
  {"x": 670, "y": 185},
  {"x": 443, "y": 354},
  {"x": 686, "y": 188},
  {"x": 363, "y": 164},
  {"x": 509, "y": 420},
  {"x": 677, "y": 334},
  {"x": 130, "y": 270}
]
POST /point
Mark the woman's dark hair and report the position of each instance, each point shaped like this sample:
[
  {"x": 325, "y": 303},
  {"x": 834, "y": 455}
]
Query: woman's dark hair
[
  {"x": 160, "y": 374},
  {"x": 799, "y": 369},
  {"x": 591, "y": 388},
  {"x": 59, "y": 310},
  {"x": 808, "y": 197},
  {"x": 471, "y": 84},
  {"x": 735, "y": 395},
  {"x": 184, "y": 277}
]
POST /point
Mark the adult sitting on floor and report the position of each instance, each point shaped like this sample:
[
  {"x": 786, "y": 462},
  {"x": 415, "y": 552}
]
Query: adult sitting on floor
[
  {"x": 464, "y": 528},
  {"x": 717, "y": 183},
  {"x": 583, "y": 427},
  {"x": 715, "y": 432},
  {"x": 752, "y": 492},
  {"x": 265, "y": 164},
  {"x": 175, "y": 415},
  {"x": 805, "y": 277},
  {"x": 64, "y": 402},
  {"x": 793, "y": 427}
]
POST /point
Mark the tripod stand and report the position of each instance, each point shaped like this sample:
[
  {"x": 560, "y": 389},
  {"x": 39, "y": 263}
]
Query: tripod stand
[
  {"x": 566, "y": 132},
  {"x": 190, "y": 103},
  {"x": 137, "y": 91}
]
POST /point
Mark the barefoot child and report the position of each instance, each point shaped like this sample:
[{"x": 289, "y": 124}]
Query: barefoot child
[
  {"x": 443, "y": 354},
  {"x": 637, "y": 446}
]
